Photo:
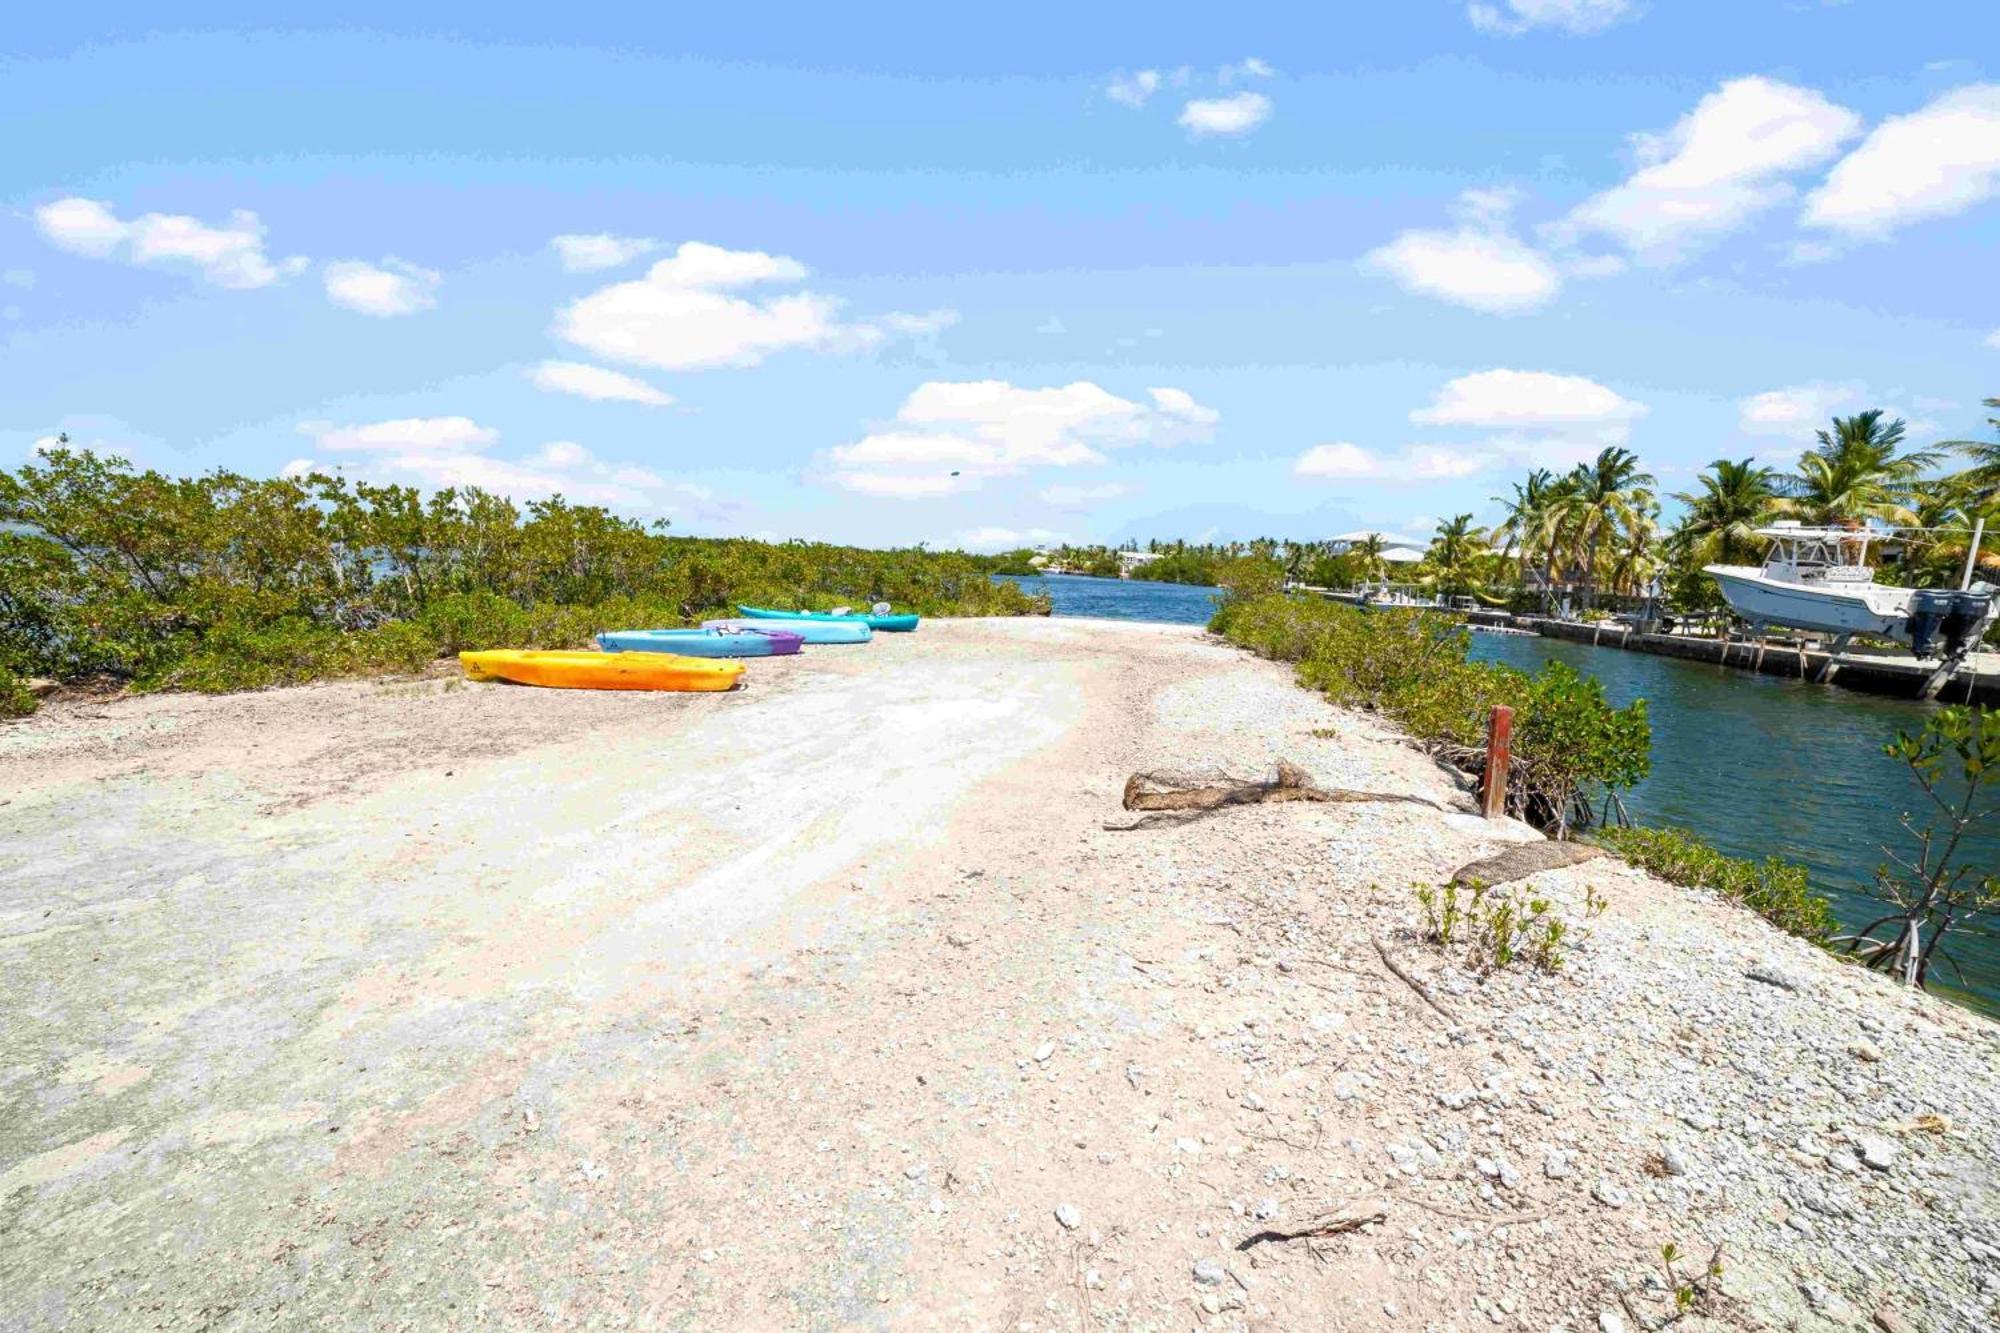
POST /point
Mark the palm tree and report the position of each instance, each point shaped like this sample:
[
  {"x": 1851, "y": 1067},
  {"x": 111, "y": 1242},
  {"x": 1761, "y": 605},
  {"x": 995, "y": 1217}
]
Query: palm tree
[
  {"x": 1983, "y": 477},
  {"x": 1720, "y": 525},
  {"x": 1455, "y": 549},
  {"x": 1609, "y": 499},
  {"x": 1857, "y": 472},
  {"x": 1367, "y": 553},
  {"x": 1637, "y": 556},
  {"x": 1523, "y": 530}
]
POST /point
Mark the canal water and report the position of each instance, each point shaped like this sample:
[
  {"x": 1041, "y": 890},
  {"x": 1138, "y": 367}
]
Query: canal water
[
  {"x": 1757, "y": 765},
  {"x": 1123, "y": 599}
]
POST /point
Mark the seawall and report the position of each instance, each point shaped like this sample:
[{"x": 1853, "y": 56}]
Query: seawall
[{"x": 1901, "y": 677}]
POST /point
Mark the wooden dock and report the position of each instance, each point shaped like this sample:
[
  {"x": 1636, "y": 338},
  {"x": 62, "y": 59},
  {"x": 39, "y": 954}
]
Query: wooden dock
[{"x": 1978, "y": 681}]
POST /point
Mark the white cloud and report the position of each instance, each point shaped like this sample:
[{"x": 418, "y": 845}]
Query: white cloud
[
  {"x": 230, "y": 255},
  {"x": 298, "y": 467},
  {"x": 587, "y": 381},
  {"x": 1481, "y": 265},
  {"x": 1796, "y": 411},
  {"x": 600, "y": 250},
  {"x": 1078, "y": 497},
  {"x": 918, "y": 325},
  {"x": 1515, "y": 399},
  {"x": 1003, "y": 539},
  {"x": 899, "y": 486},
  {"x": 1237, "y": 114},
  {"x": 951, "y": 435},
  {"x": 1993, "y": 339},
  {"x": 1134, "y": 90},
  {"x": 1250, "y": 67},
  {"x": 698, "y": 264},
  {"x": 680, "y": 316},
  {"x": 1483, "y": 270},
  {"x": 1180, "y": 403},
  {"x": 438, "y": 452},
  {"x": 23, "y": 278},
  {"x": 1931, "y": 163},
  {"x": 1340, "y": 461},
  {"x": 405, "y": 434},
  {"x": 1052, "y": 325},
  {"x": 1716, "y": 168},
  {"x": 383, "y": 290},
  {"x": 1511, "y": 18},
  {"x": 1345, "y": 461}
]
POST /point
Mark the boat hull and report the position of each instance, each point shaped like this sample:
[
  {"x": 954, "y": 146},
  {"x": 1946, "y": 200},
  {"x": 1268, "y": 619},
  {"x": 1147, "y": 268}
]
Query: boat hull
[
  {"x": 1862, "y": 609},
  {"x": 893, "y": 624},
  {"x": 601, "y": 671},
  {"x": 843, "y": 630},
  {"x": 772, "y": 642}
]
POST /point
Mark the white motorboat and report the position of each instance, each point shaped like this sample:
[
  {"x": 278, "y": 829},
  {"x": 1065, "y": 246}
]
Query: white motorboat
[{"x": 1819, "y": 578}]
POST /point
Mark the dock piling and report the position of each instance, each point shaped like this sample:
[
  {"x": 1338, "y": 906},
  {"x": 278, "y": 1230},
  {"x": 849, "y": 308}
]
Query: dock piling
[{"x": 1499, "y": 753}]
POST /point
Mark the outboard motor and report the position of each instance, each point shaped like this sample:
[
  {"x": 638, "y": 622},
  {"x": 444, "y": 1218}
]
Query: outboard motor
[
  {"x": 1963, "y": 622},
  {"x": 1928, "y": 609}
]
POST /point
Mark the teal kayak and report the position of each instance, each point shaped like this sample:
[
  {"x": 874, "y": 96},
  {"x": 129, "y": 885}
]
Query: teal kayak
[
  {"x": 702, "y": 642},
  {"x": 837, "y": 630},
  {"x": 902, "y": 624}
]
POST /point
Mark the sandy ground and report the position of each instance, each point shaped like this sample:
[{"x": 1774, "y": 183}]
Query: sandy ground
[{"x": 831, "y": 1003}]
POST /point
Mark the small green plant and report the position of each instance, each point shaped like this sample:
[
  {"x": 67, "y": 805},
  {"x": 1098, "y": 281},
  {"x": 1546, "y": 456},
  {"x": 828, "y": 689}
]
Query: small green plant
[
  {"x": 1496, "y": 931},
  {"x": 1690, "y": 1293}
]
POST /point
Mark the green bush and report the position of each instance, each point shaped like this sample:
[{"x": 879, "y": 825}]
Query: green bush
[
  {"x": 1570, "y": 744},
  {"x": 227, "y": 582},
  {"x": 1776, "y": 890},
  {"x": 15, "y": 699}
]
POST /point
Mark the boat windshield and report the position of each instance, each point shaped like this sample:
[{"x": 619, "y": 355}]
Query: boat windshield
[{"x": 1813, "y": 554}]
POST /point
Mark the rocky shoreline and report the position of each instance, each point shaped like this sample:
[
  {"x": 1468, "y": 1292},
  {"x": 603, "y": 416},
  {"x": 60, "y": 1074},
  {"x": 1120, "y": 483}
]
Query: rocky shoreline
[{"x": 836, "y": 1004}]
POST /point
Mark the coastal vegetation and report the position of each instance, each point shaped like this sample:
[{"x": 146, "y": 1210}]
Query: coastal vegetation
[
  {"x": 226, "y": 582},
  {"x": 1595, "y": 536},
  {"x": 1573, "y": 752},
  {"x": 1955, "y": 759},
  {"x": 1775, "y": 889}
]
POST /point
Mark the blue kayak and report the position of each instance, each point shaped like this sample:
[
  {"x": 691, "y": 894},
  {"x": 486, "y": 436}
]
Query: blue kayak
[
  {"x": 842, "y": 630},
  {"x": 896, "y": 624},
  {"x": 702, "y": 642}
]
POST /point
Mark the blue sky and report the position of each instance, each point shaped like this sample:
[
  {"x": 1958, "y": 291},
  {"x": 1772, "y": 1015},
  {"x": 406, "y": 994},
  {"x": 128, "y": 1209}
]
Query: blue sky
[{"x": 887, "y": 274}]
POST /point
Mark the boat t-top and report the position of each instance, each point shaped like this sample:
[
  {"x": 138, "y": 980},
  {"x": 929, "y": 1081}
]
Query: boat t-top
[{"x": 1819, "y": 578}]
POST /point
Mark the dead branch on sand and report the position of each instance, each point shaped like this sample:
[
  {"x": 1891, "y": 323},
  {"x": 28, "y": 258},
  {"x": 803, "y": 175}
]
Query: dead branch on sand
[
  {"x": 1329, "y": 1224},
  {"x": 1423, "y": 991},
  {"x": 1192, "y": 797}
]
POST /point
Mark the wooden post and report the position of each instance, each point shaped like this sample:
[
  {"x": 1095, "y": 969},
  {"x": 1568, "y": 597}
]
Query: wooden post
[{"x": 1499, "y": 753}]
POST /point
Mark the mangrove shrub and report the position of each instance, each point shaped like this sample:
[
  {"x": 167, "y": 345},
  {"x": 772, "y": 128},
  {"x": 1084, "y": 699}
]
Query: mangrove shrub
[
  {"x": 1572, "y": 749},
  {"x": 225, "y": 582}
]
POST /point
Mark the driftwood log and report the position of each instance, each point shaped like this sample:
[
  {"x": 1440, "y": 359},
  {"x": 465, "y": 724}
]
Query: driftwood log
[
  {"x": 1190, "y": 797},
  {"x": 1524, "y": 859}
]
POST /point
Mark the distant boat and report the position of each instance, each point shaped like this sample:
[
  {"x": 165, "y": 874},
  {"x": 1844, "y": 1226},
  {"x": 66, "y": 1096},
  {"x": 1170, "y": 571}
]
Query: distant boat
[{"x": 1819, "y": 578}]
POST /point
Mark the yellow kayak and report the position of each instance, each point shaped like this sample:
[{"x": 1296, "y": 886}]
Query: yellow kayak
[{"x": 601, "y": 671}]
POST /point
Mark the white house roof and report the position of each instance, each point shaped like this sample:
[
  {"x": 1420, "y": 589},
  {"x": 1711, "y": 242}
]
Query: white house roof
[
  {"x": 1402, "y": 555},
  {"x": 1388, "y": 538}
]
